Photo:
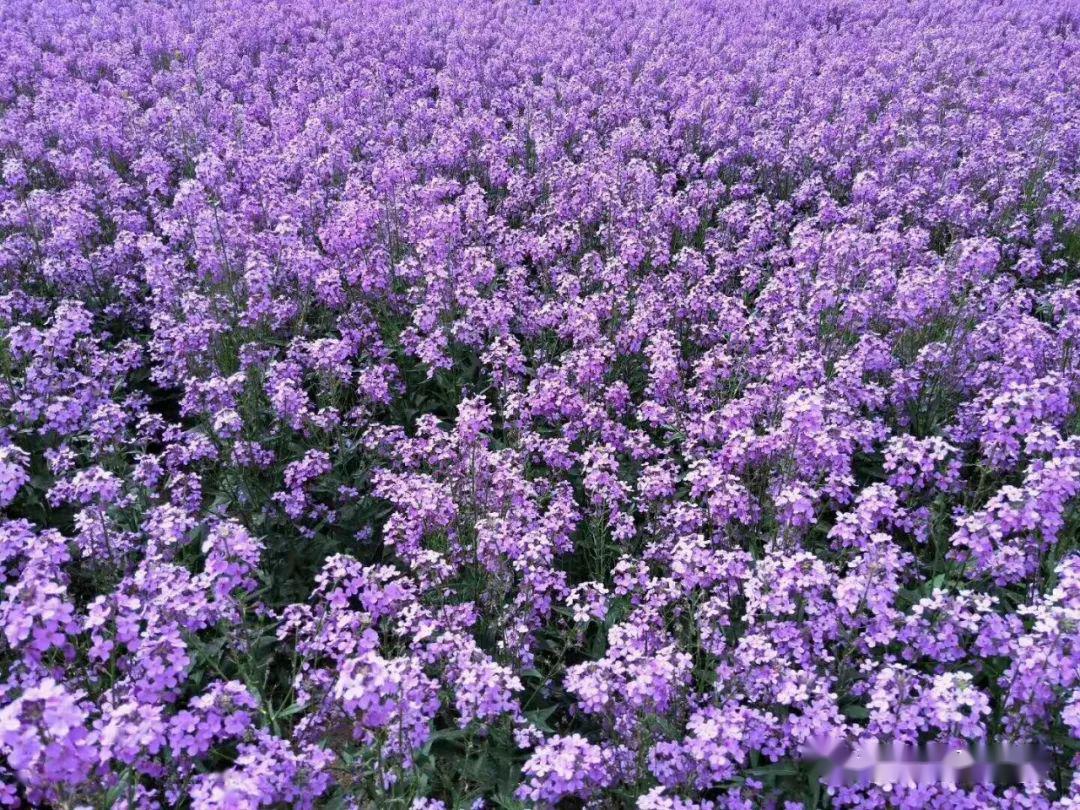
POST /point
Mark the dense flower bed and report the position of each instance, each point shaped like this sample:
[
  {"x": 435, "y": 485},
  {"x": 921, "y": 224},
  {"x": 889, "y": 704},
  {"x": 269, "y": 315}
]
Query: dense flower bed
[{"x": 509, "y": 404}]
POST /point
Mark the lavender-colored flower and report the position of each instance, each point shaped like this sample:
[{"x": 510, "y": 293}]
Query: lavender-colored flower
[
  {"x": 567, "y": 767},
  {"x": 412, "y": 403},
  {"x": 44, "y": 738},
  {"x": 13, "y": 474}
]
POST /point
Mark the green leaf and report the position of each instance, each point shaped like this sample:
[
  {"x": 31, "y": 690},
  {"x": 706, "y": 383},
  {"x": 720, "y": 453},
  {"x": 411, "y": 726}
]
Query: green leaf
[
  {"x": 539, "y": 718},
  {"x": 775, "y": 769},
  {"x": 855, "y": 712},
  {"x": 450, "y": 734},
  {"x": 295, "y": 708}
]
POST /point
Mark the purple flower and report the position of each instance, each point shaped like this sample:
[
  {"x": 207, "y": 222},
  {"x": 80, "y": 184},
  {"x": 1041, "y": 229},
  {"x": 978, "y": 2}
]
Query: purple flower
[{"x": 567, "y": 767}]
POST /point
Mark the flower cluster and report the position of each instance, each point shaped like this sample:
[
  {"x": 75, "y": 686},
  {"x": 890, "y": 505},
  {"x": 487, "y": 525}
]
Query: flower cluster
[{"x": 535, "y": 404}]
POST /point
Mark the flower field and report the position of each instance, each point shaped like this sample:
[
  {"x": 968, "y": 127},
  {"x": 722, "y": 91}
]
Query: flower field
[{"x": 554, "y": 404}]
